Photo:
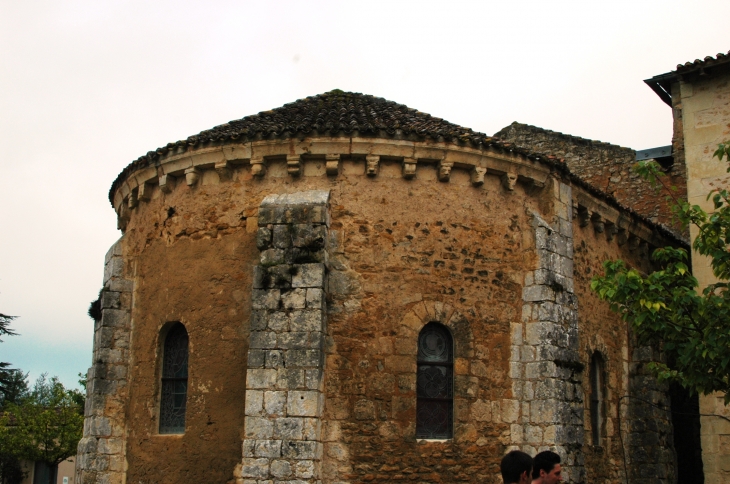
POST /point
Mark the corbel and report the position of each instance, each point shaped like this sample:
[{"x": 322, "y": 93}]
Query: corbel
[
  {"x": 192, "y": 175},
  {"x": 509, "y": 180},
  {"x": 409, "y": 168},
  {"x": 123, "y": 216},
  {"x": 332, "y": 164},
  {"x": 166, "y": 183},
  {"x": 132, "y": 199},
  {"x": 477, "y": 176},
  {"x": 257, "y": 167},
  {"x": 444, "y": 170},
  {"x": 144, "y": 192},
  {"x": 372, "y": 165},
  {"x": 611, "y": 230},
  {"x": 294, "y": 164},
  {"x": 622, "y": 236},
  {"x": 583, "y": 216},
  {"x": 223, "y": 168},
  {"x": 598, "y": 224},
  {"x": 634, "y": 242}
]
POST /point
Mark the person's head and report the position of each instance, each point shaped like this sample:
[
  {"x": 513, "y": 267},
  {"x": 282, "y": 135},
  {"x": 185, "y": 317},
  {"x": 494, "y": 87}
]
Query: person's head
[
  {"x": 546, "y": 467},
  {"x": 516, "y": 467}
]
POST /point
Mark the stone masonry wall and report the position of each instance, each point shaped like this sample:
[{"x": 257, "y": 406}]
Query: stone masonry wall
[
  {"x": 606, "y": 167},
  {"x": 284, "y": 394},
  {"x": 545, "y": 365},
  {"x": 101, "y": 450}
]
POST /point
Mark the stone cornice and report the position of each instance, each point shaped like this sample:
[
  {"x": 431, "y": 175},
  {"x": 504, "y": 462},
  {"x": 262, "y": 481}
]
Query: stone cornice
[{"x": 510, "y": 166}]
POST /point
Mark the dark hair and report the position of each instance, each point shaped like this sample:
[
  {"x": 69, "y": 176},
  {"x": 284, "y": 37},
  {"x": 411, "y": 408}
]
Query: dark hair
[
  {"x": 513, "y": 465},
  {"x": 545, "y": 461}
]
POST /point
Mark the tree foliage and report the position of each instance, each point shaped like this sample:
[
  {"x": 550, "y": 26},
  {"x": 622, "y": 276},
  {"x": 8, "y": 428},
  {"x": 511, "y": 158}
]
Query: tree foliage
[
  {"x": 667, "y": 308},
  {"x": 6, "y": 373},
  {"x": 46, "y": 425}
]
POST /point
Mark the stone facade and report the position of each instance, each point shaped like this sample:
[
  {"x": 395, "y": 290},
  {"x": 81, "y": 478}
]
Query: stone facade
[
  {"x": 304, "y": 268},
  {"x": 699, "y": 95}
]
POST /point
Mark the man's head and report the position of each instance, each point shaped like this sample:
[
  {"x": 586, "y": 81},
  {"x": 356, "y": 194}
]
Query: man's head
[
  {"x": 516, "y": 467},
  {"x": 546, "y": 468}
]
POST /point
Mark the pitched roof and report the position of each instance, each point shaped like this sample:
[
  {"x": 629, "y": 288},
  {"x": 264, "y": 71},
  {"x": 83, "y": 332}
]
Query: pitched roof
[
  {"x": 662, "y": 83},
  {"x": 340, "y": 113}
]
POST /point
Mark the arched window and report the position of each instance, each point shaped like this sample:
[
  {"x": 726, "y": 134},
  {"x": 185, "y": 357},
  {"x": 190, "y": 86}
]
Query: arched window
[
  {"x": 435, "y": 383},
  {"x": 597, "y": 398},
  {"x": 174, "y": 381}
]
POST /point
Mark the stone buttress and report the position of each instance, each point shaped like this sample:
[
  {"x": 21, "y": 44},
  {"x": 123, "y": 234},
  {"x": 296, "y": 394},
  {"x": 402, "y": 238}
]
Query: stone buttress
[
  {"x": 284, "y": 394},
  {"x": 545, "y": 364},
  {"x": 101, "y": 450}
]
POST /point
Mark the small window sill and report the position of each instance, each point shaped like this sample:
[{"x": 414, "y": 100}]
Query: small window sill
[{"x": 428, "y": 441}]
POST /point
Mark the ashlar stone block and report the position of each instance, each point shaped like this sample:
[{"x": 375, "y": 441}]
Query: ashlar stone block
[
  {"x": 308, "y": 275},
  {"x": 288, "y": 428},
  {"x": 303, "y": 404},
  {"x": 259, "y": 428},
  {"x": 301, "y": 450},
  {"x": 254, "y": 403},
  {"x": 258, "y": 468},
  {"x": 274, "y": 402},
  {"x": 295, "y": 299},
  {"x": 306, "y": 320},
  {"x": 268, "y": 448}
]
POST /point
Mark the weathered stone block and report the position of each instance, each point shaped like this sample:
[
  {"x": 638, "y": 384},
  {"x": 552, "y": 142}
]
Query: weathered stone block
[
  {"x": 289, "y": 379},
  {"x": 305, "y": 469},
  {"x": 263, "y": 238},
  {"x": 274, "y": 359},
  {"x": 272, "y": 257},
  {"x": 258, "y": 468},
  {"x": 280, "y": 276},
  {"x": 310, "y": 236},
  {"x": 281, "y": 469},
  {"x": 289, "y": 428},
  {"x": 258, "y": 321},
  {"x": 303, "y": 358},
  {"x": 308, "y": 275},
  {"x": 262, "y": 340},
  {"x": 278, "y": 321},
  {"x": 538, "y": 293},
  {"x": 259, "y": 428},
  {"x": 295, "y": 299},
  {"x": 312, "y": 379},
  {"x": 274, "y": 402},
  {"x": 268, "y": 448},
  {"x": 114, "y": 318},
  {"x": 254, "y": 403},
  {"x": 282, "y": 237},
  {"x": 301, "y": 450},
  {"x": 299, "y": 340},
  {"x": 266, "y": 298},
  {"x": 303, "y": 404},
  {"x": 256, "y": 358},
  {"x": 260, "y": 378},
  {"x": 306, "y": 320}
]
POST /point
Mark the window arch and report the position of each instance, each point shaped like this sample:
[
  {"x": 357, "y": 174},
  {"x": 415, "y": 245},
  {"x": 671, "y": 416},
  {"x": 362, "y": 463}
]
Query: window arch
[
  {"x": 598, "y": 396},
  {"x": 174, "y": 381},
  {"x": 435, "y": 383}
]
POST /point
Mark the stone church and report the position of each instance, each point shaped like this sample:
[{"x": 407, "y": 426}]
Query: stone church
[{"x": 348, "y": 290}]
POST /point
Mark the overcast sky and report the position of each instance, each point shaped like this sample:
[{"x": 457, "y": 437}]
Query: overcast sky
[{"x": 88, "y": 86}]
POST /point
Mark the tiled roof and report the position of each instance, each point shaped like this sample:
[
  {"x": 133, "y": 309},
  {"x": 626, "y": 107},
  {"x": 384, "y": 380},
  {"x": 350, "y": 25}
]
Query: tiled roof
[
  {"x": 339, "y": 113},
  {"x": 701, "y": 64}
]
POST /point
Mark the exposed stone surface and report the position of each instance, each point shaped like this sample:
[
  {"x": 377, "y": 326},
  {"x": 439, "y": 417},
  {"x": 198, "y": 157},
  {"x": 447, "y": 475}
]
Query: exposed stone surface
[{"x": 283, "y": 407}]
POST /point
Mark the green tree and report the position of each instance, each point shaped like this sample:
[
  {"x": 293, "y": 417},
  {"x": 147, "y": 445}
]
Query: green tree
[
  {"x": 5, "y": 370},
  {"x": 668, "y": 310},
  {"x": 45, "y": 426}
]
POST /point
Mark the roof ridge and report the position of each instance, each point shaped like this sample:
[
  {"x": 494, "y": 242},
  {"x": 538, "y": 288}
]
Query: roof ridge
[{"x": 564, "y": 135}]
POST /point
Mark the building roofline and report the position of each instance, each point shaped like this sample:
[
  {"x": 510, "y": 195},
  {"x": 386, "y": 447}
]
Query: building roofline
[{"x": 662, "y": 84}]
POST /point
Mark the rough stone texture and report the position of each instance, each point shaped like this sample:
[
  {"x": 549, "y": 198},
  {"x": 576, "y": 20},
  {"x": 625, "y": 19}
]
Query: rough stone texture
[
  {"x": 101, "y": 451},
  {"x": 545, "y": 363},
  {"x": 283, "y": 406},
  {"x": 605, "y": 166},
  {"x": 451, "y": 238}
]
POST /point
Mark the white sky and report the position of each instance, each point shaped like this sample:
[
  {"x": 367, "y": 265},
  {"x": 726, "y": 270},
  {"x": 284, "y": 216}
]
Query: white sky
[{"x": 88, "y": 86}]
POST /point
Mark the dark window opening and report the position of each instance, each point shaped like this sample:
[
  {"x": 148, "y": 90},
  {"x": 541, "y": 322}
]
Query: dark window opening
[
  {"x": 174, "y": 381},
  {"x": 687, "y": 442},
  {"x": 597, "y": 399},
  {"x": 435, "y": 383}
]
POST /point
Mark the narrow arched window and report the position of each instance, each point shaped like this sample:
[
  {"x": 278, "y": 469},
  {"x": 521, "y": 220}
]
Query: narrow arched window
[
  {"x": 597, "y": 398},
  {"x": 435, "y": 383},
  {"x": 174, "y": 381}
]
